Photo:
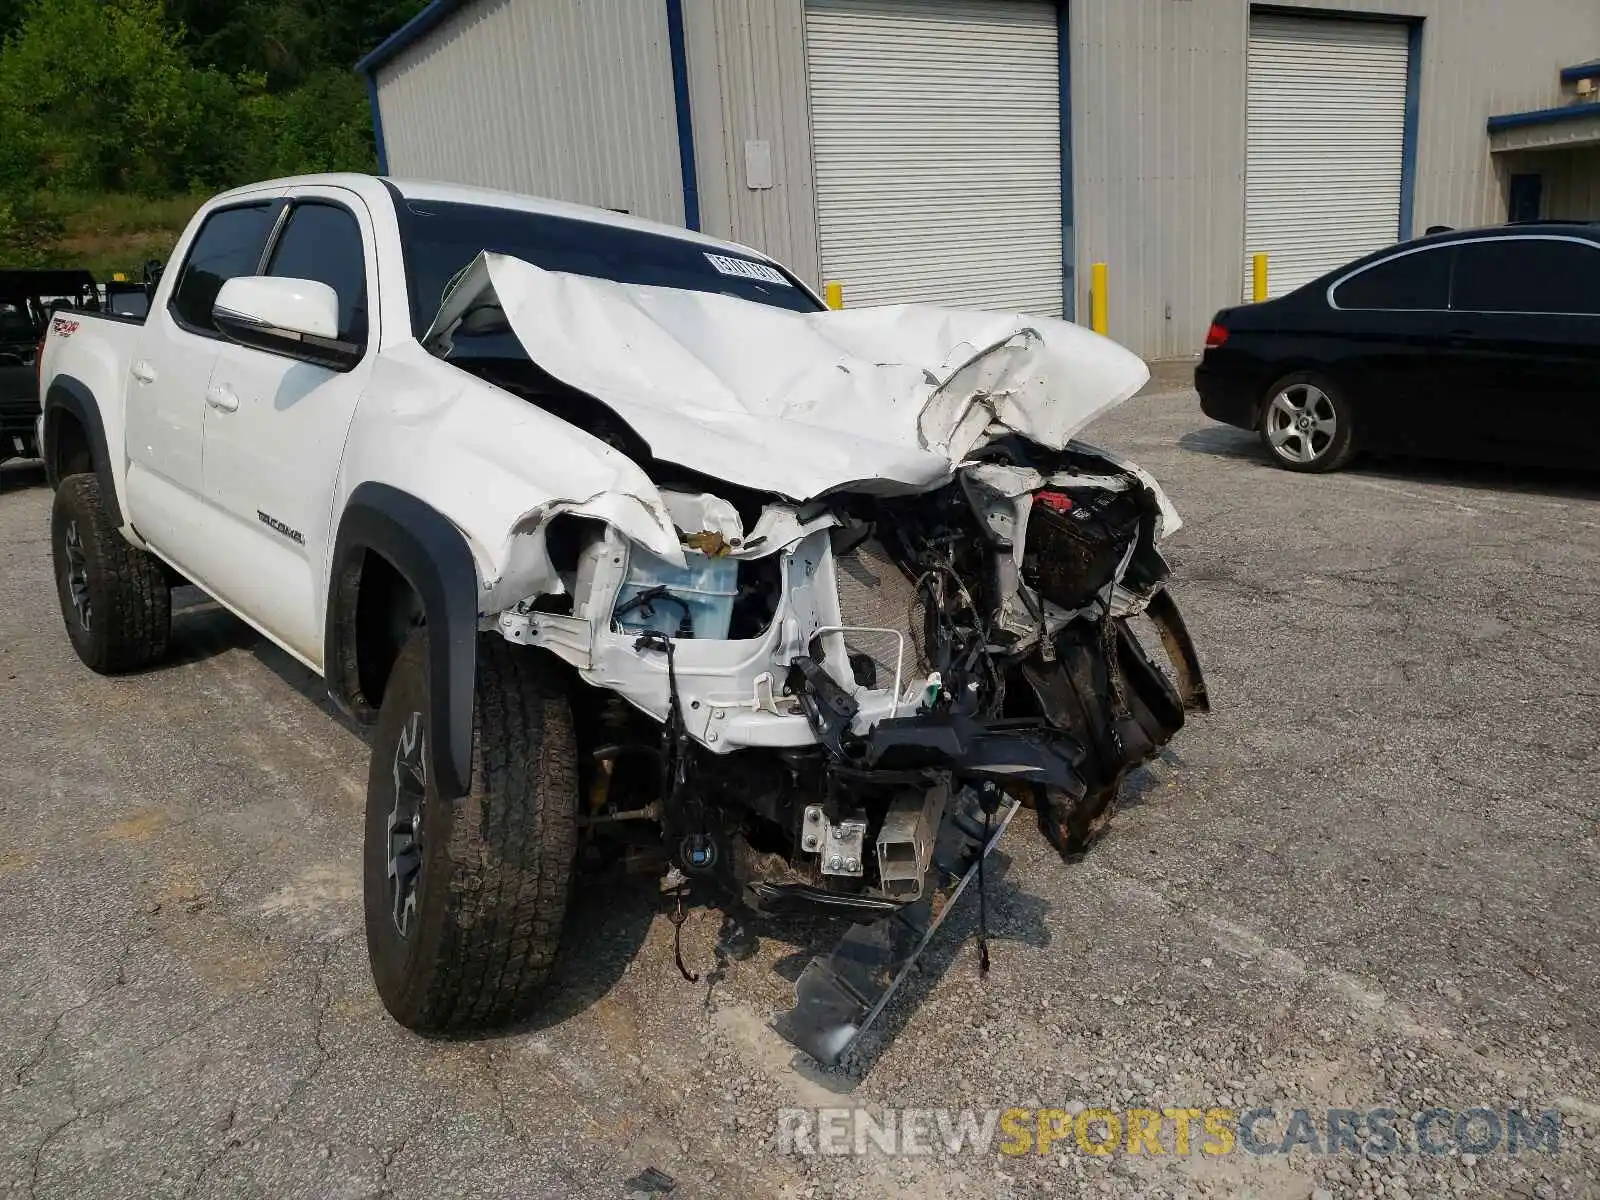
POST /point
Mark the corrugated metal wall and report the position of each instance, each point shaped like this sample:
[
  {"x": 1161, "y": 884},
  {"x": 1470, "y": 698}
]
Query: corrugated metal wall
[
  {"x": 575, "y": 100},
  {"x": 1571, "y": 181},
  {"x": 1158, "y": 90},
  {"x": 1158, "y": 97},
  {"x": 570, "y": 101},
  {"x": 747, "y": 82},
  {"x": 1572, "y": 185}
]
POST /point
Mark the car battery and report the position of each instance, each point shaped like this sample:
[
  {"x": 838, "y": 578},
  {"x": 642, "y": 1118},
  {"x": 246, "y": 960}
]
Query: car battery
[{"x": 1077, "y": 538}]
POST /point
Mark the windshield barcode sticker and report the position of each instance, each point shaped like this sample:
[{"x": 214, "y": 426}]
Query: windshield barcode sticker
[{"x": 743, "y": 268}]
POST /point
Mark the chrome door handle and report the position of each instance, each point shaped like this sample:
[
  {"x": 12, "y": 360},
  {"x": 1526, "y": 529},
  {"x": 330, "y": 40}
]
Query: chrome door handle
[
  {"x": 144, "y": 372},
  {"x": 221, "y": 396}
]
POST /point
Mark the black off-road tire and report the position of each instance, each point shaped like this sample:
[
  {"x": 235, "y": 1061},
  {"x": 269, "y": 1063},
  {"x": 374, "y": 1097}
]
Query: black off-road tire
[
  {"x": 495, "y": 864},
  {"x": 128, "y": 616},
  {"x": 1332, "y": 454}
]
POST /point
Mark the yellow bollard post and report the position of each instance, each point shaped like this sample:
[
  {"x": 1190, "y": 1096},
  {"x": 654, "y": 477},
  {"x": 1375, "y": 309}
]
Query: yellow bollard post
[
  {"x": 1258, "y": 277},
  {"x": 1097, "y": 298},
  {"x": 833, "y": 293}
]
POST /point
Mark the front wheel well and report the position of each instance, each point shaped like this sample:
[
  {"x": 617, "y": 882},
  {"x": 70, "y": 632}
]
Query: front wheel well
[
  {"x": 377, "y": 609},
  {"x": 421, "y": 570}
]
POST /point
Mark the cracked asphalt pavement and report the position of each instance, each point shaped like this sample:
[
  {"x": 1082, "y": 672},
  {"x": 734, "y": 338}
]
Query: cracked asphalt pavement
[{"x": 1368, "y": 879}]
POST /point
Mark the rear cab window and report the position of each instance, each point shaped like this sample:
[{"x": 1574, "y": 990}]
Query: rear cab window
[
  {"x": 229, "y": 245},
  {"x": 129, "y": 304}
]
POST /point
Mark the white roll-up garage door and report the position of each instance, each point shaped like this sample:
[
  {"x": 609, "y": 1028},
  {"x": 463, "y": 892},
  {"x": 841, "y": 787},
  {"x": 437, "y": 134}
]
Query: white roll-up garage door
[
  {"x": 936, "y": 130},
  {"x": 1326, "y": 123}
]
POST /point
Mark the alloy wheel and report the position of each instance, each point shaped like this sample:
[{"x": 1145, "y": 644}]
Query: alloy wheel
[
  {"x": 1301, "y": 423},
  {"x": 405, "y": 823},
  {"x": 77, "y": 569}
]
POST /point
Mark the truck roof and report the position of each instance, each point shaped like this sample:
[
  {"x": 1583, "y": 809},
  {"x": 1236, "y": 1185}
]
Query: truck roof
[{"x": 455, "y": 193}]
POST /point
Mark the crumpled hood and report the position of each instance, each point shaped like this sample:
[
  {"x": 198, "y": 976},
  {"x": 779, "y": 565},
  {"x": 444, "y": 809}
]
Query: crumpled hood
[{"x": 889, "y": 398}]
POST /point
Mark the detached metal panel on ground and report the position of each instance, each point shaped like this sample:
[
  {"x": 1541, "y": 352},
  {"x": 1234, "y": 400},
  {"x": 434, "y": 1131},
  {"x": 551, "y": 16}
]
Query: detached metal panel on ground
[
  {"x": 937, "y": 142},
  {"x": 570, "y": 101},
  {"x": 1325, "y": 117}
]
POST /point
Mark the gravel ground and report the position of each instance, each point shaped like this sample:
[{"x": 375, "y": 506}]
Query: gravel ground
[{"x": 1367, "y": 880}]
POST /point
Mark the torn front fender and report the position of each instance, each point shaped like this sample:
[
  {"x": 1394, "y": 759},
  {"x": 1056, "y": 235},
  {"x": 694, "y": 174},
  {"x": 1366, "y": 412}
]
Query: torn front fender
[{"x": 498, "y": 468}]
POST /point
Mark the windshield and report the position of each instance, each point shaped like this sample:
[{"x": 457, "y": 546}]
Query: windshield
[{"x": 440, "y": 239}]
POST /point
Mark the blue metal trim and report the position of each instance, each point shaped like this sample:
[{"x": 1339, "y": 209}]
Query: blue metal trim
[
  {"x": 1588, "y": 70},
  {"x": 1330, "y": 14},
  {"x": 1069, "y": 247},
  {"x": 1408, "y": 141},
  {"x": 377, "y": 124},
  {"x": 1544, "y": 116},
  {"x": 680, "y": 101},
  {"x": 418, "y": 27}
]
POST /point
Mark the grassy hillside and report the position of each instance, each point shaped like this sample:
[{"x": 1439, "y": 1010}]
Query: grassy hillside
[{"x": 104, "y": 233}]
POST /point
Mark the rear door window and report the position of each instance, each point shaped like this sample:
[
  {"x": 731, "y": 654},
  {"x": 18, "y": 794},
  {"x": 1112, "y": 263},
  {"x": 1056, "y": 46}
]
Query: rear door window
[
  {"x": 322, "y": 242},
  {"x": 1416, "y": 281},
  {"x": 228, "y": 245},
  {"x": 1527, "y": 275}
]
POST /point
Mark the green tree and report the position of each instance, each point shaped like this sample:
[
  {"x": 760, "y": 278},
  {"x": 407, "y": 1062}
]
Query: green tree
[
  {"x": 170, "y": 97},
  {"x": 277, "y": 40},
  {"x": 286, "y": 41},
  {"x": 97, "y": 94},
  {"x": 11, "y": 15},
  {"x": 326, "y": 125}
]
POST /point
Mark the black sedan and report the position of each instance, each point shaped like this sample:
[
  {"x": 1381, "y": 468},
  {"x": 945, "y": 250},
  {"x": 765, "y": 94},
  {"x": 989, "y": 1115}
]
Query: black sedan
[{"x": 1479, "y": 343}]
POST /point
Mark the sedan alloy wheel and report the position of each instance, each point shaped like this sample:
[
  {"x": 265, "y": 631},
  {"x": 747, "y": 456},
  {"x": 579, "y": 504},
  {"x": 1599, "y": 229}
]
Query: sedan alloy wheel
[{"x": 1301, "y": 423}]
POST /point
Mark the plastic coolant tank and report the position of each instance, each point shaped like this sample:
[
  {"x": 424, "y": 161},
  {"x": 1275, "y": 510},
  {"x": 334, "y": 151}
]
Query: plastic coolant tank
[{"x": 706, "y": 587}]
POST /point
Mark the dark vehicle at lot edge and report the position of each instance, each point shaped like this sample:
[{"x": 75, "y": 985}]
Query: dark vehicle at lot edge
[
  {"x": 1480, "y": 344},
  {"x": 27, "y": 299}
]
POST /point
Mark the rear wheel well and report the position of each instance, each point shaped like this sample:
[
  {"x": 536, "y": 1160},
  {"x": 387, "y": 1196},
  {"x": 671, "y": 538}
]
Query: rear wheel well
[
  {"x": 1275, "y": 373},
  {"x": 69, "y": 447},
  {"x": 377, "y": 609}
]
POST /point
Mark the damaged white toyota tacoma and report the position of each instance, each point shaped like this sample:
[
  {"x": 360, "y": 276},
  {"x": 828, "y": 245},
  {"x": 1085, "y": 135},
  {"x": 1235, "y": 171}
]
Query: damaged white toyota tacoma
[{"x": 628, "y": 549}]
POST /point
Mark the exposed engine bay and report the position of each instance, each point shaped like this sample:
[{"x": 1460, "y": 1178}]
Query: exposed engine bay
[{"x": 837, "y": 699}]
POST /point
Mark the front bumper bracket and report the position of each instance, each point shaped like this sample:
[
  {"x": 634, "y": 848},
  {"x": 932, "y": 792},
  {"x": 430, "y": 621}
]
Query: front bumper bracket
[{"x": 838, "y": 997}]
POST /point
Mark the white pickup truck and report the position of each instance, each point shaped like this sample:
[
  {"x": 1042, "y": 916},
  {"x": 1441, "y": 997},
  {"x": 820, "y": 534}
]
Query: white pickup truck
[{"x": 623, "y": 542}]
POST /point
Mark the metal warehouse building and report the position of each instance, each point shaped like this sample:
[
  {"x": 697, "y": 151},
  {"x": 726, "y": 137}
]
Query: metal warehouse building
[{"x": 986, "y": 152}]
